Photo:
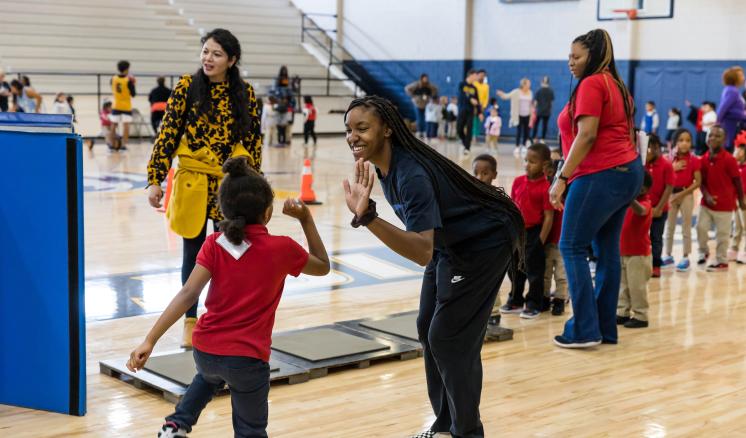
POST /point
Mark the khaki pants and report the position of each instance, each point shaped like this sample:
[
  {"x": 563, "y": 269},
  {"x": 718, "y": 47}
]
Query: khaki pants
[
  {"x": 739, "y": 217},
  {"x": 685, "y": 206},
  {"x": 633, "y": 294},
  {"x": 554, "y": 265},
  {"x": 721, "y": 219}
]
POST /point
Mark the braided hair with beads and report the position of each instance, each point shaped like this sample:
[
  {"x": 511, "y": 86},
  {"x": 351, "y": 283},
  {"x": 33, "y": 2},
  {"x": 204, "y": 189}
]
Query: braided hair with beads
[
  {"x": 600, "y": 59},
  {"x": 493, "y": 199}
]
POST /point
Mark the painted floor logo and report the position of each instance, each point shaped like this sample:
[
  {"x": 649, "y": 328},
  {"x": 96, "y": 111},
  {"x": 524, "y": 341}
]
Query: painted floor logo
[{"x": 115, "y": 182}]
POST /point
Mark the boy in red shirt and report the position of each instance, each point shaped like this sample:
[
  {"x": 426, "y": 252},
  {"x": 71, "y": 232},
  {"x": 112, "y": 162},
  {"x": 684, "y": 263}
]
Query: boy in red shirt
[
  {"x": 636, "y": 266},
  {"x": 531, "y": 193},
  {"x": 661, "y": 171},
  {"x": 246, "y": 267},
  {"x": 721, "y": 187},
  {"x": 740, "y": 215},
  {"x": 555, "y": 266}
]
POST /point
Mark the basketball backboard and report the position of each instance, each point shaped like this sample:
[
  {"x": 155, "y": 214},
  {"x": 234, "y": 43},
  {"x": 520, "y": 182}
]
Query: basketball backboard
[{"x": 646, "y": 9}]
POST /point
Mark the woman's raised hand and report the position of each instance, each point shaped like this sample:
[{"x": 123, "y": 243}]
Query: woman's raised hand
[{"x": 357, "y": 192}]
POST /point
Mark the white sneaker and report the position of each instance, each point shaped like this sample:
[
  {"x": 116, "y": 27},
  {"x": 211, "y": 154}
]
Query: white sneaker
[
  {"x": 732, "y": 255},
  {"x": 517, "y": 152},
  {"x": 741, "y": 260},
  {"x": 172, "y": 430},
  {"x": 524, "y": 151}
]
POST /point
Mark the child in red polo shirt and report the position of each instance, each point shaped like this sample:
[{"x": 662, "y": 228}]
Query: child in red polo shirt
[
  {"x": 632, "y": 309},
  {"x": 555, "y": 266},
  {"x": 246, "y": 267},
  {"x": 686, "y": 179},
  {"x": 740, "y": 215},
  {"x": 721, "y": 188},
  {"x": 531, "y": 193},
  {"x": 662, "y": 172}
]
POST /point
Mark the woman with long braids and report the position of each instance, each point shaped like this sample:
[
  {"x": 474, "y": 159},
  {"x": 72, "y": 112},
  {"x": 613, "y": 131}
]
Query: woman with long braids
[
  {"x": 211, "y": 116},
  {"x": 466, "y": 232},
  {"x": 602, "y": 174}
]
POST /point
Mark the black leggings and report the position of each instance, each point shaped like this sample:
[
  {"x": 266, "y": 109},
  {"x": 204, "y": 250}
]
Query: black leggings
[
  {"x": 155, "y": 120},
  {"x": 522, "y": 130},
  {"x": 189, "y": 259},
  {"x": 309, "y": 129},
  {"x": 464, "y": 127}
]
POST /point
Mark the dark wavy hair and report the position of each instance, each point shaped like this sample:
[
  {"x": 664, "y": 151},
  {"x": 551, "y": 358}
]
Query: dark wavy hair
[
  {"x": 493, "y": 199},
  {"x": 199, "y": 92},
  {"x": 244, "y": 196},
  {"x": 678, "y": 133},
  {"x": 601, "y": 58}
]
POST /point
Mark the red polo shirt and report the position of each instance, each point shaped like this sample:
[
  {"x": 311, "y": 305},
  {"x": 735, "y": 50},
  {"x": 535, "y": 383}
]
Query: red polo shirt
[
  {"x": 554, "y": 235},
  {"x": 636, "y": 230},
  {"x": 742, "y": 171},
  {"x": 532, "y": 198},
  {"x": 598, "y": 96},
  {"x": 244, "y": 293},
  {"x": 662, "y": 172},
  {"x": 685, "y": 177},
  {"x": 717, "y": 179}
]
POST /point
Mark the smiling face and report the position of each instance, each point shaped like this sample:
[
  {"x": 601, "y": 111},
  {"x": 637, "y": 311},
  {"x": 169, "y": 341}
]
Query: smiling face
[
  {"x": 215, "y": 62},
  {"x": 578, "y": 59},
  {"x": 366, "y": 133},
  {"x": 715, "y": 138}
]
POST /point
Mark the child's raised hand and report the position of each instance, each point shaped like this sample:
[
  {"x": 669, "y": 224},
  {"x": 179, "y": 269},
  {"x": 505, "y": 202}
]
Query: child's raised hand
[
  {"x": 139, "y": 356},
  {"x": 295, "y": 208}
]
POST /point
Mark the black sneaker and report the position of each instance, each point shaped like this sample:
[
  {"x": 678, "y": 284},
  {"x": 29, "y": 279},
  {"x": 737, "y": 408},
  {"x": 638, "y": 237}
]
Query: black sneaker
[
  {"x": 494, "y": 319},
  {"x": 621, "y": 320},
  {"x": 172, "y": 430},
  {"x": 425, "y": 434},
  {"x": 546, "y": 304},
  {"x": 635, "y": 323},
  {"x": 558, "y": 306}
]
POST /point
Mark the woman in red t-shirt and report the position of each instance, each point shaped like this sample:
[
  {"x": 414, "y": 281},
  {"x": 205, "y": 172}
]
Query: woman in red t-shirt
[{"x": 604, "y": 174}]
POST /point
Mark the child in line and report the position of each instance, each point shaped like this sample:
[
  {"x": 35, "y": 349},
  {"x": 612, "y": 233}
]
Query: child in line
[
  {"x": 106, "y": 125},
  {"x": 433, "y": 115},
  {"x": 484, "y": 168},
  {"x": 721, "y": 188},
  {"x": 686, "y": 179},
  {"x": 632, "y": 308},
  {"x": 453, "y": 117},
  {"x": 740, "y": 216},
  {"x": 709, "y": 117},
  {"x": 531, "y": 193},
  {"x": 281, "y": 111},
  {"x": 309, "y": 120},
  {"x": 60, "y": 105},
  {"x": 444, "y": 114},
  {"x": 269, "y": 121},
  {"x": 662, "y": 172},
  {"x": 672, "y": 124},
  {"x": 246, "y": 267},
  {"x": 650, "y": 120},
  {"x": 123, "y": 91},
  {"x": 492, "y": 127},
  {"x": 555, "y": 266}
]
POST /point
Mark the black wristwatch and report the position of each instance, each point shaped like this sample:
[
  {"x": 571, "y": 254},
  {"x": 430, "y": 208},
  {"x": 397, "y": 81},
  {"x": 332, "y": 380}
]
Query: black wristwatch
[
  {"x": 562, "y": 177},
  {"x": 367, "y": 217}
]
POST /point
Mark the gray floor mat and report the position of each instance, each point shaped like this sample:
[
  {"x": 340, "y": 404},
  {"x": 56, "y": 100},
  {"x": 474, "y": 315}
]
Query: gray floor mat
[
  {"x": 180, "y": 367},
  {"x": 323, "y": 344},
  {"x": 404, "y": 326}
]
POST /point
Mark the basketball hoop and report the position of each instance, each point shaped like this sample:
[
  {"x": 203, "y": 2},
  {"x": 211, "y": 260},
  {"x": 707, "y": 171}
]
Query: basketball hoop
[{"x": 631, "y": 13}]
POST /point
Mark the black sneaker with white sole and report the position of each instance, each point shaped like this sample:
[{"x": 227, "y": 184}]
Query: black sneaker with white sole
[{"x": 425, "y": 434}]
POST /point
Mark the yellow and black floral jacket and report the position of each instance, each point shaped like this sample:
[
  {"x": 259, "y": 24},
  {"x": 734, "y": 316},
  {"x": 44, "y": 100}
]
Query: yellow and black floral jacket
[{"x": 206, "y": 136}]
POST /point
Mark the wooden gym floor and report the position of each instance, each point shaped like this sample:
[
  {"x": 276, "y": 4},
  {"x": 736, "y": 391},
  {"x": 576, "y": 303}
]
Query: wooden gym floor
[{"x": 683, "y": 376}]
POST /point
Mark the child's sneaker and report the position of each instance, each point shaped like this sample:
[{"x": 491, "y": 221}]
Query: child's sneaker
[
  {"x": 558, "y": 306},
  {"x": 656, "y": 272},
  {"x": 530, "y": 314},
  {"x": 510, "y": 308},
  {"x": 741, "y": 260},
  {"x": 621, "y": 320},
  {"x": 635, "y": 323},
  {"x": 718, "y": 267},
  {"x": 667, "y": 262},
  {"x": 546, "y": 304},
  {"x": 683, "y": 265},
  {"x": 732, "y": 255},
  {"x": 172, "y": 430},
  {"x": 702, "y": 259}
]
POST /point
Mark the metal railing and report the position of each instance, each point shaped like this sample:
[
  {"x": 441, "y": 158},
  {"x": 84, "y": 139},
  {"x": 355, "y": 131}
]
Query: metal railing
[{"x": 309, "y": 28}]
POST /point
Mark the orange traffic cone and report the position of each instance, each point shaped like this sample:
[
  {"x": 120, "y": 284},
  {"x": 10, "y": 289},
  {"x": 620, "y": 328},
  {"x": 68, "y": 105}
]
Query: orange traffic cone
[
  {"x": 169, "y": 184},
  {"x": 306, "y": 191}
]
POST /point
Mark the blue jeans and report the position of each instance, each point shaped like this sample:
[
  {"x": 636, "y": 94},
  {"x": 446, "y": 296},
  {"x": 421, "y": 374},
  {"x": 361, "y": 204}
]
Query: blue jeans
[
  {"x": 248, "y": 380},
  {"x": 594, "y": 214},
  {"x": 420, "y": 114}
]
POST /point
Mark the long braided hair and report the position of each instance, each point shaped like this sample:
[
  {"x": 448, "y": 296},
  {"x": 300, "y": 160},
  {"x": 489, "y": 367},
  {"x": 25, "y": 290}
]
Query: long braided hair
[
  {"x": 601, "y": 58},
  {"x": 495, "y": 201}
]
